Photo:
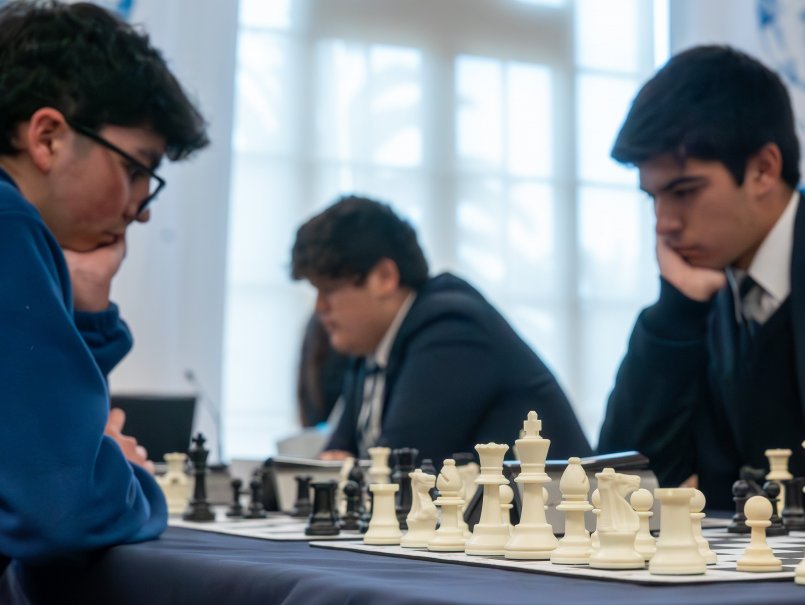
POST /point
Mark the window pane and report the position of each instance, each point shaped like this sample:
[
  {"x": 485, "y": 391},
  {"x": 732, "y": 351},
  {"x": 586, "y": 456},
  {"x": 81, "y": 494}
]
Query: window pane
[
  {"x": 266, "y": 13},
  {"x": 264, "y": 116},
  {"x": 480, "y": 234},
  {"x": 607, "y": 35},
  {"x": 532, "y": 264},
  {"x": 371, "y": 110},
  {"x": 605, "y": 331},
  {"x": 545, "y": 328},
  {"x": 529, "y": 120},
  {"x": 503, "y": 116},
  {"x": 479, "y": 126},
  {"x": 616, "y": 242},
  {"x": 261, "y": 220},
  {"x": 506, "y": 237},
  {"x": 602, "y": 106}
]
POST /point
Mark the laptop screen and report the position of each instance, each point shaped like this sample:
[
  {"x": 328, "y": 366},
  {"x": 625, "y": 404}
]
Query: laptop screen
[{"x": 160, "y": 423}]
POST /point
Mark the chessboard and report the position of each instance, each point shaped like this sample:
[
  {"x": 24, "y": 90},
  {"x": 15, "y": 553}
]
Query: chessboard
[
  {"x": 276, "y": 526},
  {"x": 728, "y": 547}
]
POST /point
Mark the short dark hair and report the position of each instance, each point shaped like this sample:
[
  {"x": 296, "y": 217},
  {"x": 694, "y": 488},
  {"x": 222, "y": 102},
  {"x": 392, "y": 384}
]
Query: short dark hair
[
  {"x": 349, "y": 238},
  {"x": 711, "y": 103},
  {"x": 94, "y": 68}
]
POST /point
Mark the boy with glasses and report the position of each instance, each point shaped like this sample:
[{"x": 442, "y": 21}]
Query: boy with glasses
[{"x": 87, "y": 110}]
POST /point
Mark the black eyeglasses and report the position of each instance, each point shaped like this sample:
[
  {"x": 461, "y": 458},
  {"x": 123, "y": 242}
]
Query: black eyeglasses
[{"x": 155, "y": 184}]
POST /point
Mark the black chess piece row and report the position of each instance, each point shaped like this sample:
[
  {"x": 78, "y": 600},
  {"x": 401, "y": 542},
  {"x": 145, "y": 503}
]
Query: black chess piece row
[
  {"x": 793, "y": 517},
  {"x": 322, "y": 513},
  {"x": 323, "y": 518},
  {"x": 255, "y": 509}
]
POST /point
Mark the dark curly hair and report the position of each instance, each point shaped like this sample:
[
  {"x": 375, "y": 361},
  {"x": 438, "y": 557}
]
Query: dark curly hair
[
  {"x": 711, "y": 103},
  {"x": 349, "y": 238},
  {"x": 94, "y": 68}
]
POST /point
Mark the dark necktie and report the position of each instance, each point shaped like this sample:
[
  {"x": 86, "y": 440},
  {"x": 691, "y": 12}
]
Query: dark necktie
[
  {"x": 365, "y": 430},
  {"x": 748, "y": 325}
]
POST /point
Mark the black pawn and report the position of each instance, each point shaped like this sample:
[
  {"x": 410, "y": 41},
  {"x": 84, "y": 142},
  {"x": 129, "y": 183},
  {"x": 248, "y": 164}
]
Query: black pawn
[
  {"x": 302, "y": 506},
  {"x": 754, "y": 477},
  {"x": 236, "y": 508},
  {"x": 793, "y": 513},
  {"x": 323, "y": 520},
  {"x": 352, "y": 517},
  {"x": 366, "y": 516},
  {"x": 740, "y": 494},
  {"x": 357, "y": 475},
  {"x": 404, "y": 464},
  {"x": 199, "y": 508},
  {"x": 256, "y": 510},
  {"x": 772, "y": 491}
]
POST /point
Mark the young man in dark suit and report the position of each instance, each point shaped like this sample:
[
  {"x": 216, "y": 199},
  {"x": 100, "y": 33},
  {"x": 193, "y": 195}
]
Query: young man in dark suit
[
  {"x": 437, "y": 367},
  {"x": 715, "y": 370}
]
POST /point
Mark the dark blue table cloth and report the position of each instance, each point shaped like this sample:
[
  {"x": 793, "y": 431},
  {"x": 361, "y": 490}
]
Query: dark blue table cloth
[{"x": 187, "y": 567}]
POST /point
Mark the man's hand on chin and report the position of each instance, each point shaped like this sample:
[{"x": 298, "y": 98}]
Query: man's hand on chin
[
  {"x": 697, "y": 283},
  {"x": 91, "y": 274}
]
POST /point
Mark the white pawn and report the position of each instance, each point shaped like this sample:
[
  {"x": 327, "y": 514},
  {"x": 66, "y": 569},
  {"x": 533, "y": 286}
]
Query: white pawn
[
  {"x": 574, "y": 547},
  {"x": 595, "y": 499},
  {"x": 384, "y": 528},
  {"x": 175, "y": 484},
  {"x": 696, "y": 507},
  {"x": 449, "y": 537},
  {"x": 422, "y": 517},
  {"x": 644, "y": 543},
  {"x": 506, "y": 497},
  {"x": 758, "y": 556}
]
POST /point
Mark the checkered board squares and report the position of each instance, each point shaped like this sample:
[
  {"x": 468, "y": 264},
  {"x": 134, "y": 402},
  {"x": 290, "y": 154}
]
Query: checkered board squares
[
  {"x": 279, "y": 527},
  {"x": 728, "y": 547}
]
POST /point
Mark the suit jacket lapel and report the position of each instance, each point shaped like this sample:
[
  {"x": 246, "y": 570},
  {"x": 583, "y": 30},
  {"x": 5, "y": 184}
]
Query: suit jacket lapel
[{"x": 798, "y": 297}]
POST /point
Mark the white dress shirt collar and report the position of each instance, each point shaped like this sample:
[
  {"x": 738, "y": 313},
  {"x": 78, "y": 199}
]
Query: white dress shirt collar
[
  {"x": 380, "y": 357},
  {"x": 771, "y": 266}
]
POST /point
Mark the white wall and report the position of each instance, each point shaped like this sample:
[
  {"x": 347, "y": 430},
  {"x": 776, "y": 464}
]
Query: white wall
[{"x": 171, "y": 287}]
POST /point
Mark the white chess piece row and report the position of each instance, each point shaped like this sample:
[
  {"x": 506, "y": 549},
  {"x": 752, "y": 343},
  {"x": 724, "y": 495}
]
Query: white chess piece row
[{"x": 622, "y": 539}]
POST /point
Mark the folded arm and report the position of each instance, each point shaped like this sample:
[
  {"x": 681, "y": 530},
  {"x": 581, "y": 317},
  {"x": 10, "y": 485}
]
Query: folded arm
[{"x": 71, "y": 489}]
